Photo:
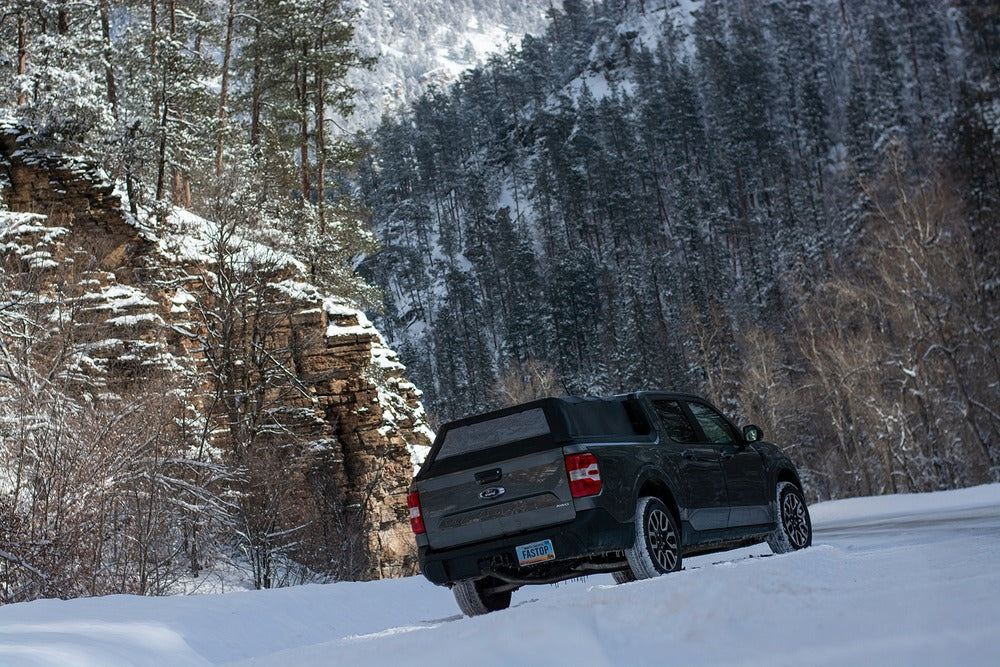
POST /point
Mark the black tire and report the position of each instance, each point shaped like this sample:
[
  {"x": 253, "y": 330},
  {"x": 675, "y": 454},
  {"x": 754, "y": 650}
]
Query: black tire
[
  {"x": 475, "y": 597},
  {"x": 657, "y": 548},
  {"x": 794, "y": 529}
]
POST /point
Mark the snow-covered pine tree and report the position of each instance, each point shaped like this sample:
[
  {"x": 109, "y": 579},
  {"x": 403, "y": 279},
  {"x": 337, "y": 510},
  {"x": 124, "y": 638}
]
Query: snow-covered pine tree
[{"x": 51, "y": 53}]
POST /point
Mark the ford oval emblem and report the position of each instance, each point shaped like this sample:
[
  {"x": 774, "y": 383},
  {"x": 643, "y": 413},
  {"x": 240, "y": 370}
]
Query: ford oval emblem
[{"x": 491, "y": 492}]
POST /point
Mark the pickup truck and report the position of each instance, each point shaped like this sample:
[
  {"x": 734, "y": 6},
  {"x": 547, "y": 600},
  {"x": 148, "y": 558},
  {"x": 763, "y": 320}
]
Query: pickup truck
[{"x": 565, "y": 487}]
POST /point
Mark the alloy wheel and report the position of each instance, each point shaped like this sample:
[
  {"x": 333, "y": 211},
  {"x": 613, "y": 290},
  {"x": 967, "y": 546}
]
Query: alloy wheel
[
  {"x": 793, "y": 516},
  {"x": 662, "y": 540}
]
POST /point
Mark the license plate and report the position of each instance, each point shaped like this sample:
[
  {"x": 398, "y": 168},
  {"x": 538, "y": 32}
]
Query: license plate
[{"x": 536, "y": 552}]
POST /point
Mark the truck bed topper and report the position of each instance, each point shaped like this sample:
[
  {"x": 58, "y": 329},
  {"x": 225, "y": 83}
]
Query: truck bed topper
[{"x": 530, "y": 427}]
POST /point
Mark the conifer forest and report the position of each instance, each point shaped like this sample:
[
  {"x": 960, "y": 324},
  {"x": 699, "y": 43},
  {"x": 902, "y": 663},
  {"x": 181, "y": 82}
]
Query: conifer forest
[{"x": 791, "y": 207}]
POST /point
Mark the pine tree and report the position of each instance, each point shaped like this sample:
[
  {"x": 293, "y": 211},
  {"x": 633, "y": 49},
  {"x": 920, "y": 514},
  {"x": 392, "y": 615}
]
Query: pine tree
[{"x": 54, "y": 88}]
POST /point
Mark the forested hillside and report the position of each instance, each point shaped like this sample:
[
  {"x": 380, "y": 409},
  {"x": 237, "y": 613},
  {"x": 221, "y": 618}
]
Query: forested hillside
[
  {"x": 788, "y": 206},
  {"x": 424, "y": 43}
]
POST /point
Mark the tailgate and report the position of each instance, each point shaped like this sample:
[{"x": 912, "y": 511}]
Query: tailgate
[{"x": 497, "y": 499}]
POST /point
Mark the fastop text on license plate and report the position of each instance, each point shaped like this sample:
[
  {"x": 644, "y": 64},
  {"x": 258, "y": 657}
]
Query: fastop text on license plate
[{"x": 536, "y": 552}]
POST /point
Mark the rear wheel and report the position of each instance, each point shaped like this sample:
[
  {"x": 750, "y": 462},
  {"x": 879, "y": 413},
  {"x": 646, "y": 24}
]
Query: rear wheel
[
  {"x": 794, "y": 529},
  {"x": 478, "y": 596},
  {"x": 657, "y": 548}
]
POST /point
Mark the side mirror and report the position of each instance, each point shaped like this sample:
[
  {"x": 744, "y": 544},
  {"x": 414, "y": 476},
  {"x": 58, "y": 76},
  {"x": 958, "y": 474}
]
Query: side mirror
[{"x": 752, "y": 433}]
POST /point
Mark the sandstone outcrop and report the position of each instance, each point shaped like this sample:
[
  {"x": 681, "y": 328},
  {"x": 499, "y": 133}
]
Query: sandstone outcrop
[{"x": 353, "y": 425}]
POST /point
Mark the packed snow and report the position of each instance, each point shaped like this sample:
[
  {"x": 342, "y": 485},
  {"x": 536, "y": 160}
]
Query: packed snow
[{"x": 898, "y": 580}]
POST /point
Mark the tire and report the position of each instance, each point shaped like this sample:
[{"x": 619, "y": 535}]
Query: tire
[
  {"x": 794, "y": 529},
  {"x": 474, "y": 597},
  {"x": 657, "y": 548}
]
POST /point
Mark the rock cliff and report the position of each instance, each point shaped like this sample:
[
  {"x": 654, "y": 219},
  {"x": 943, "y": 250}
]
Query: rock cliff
[{"x": 351, "y": 425}]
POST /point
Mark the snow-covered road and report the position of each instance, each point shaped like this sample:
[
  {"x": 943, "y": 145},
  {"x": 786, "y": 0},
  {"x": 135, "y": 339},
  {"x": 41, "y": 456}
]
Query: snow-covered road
[{"x": 896, "y": 580}]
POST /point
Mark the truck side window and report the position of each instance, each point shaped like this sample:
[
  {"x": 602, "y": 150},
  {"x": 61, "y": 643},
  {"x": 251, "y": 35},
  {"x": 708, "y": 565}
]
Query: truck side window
[
  {"x": 675, "y": 423},
  {"x": 715, "y": 426},
  {"x": 640, "y": 424}
]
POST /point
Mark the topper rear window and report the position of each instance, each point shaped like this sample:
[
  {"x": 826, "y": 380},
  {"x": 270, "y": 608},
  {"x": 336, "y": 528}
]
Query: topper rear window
[{"x": 499, "y": 431}]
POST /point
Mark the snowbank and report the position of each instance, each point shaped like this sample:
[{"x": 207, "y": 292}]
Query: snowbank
[{"x": 892, "y": 580}]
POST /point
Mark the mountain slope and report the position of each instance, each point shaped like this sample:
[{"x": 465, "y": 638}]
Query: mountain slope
[
  {"x": 425, "y": 43},
  {"x": 743, "y": 200}
]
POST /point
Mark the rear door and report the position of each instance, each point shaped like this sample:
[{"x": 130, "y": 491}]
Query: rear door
[
  {"x": 699, "y": 464},
  {"x": 524, "y": 487},
  {"x": 746, "y": 482}
]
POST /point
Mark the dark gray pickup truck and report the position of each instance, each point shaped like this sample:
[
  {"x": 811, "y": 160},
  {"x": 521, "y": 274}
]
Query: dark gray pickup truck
[{"x": 565, "y": 487}]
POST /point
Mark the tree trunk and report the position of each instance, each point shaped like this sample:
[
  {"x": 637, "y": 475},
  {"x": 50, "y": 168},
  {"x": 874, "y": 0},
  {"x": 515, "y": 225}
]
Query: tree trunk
[
  {"x": 176, "y": 186},
  {"x": 320, "y": 141},
  {"x": 850, "y": 40},
  {"x": 304, "y": 122},
  {"x": 109, "y": 72},
  {"x": 255, "y": 92},
  {"x": 193, "y": 552},
  {"x": 161, "y": 159},
  {"x": 227, "y": 51},
  {"x": 152, "y": 33},
  {"x": 152, "y": 52},
  {"x": 181, "y": 183},
  {"x": 22, "y": 55}
]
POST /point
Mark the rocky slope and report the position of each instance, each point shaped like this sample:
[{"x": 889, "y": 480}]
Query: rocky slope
[{"x": 353, "y": 426}]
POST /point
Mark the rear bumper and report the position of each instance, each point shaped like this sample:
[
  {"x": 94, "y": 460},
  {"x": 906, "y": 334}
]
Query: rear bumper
[{"x": 592, "y": 532}]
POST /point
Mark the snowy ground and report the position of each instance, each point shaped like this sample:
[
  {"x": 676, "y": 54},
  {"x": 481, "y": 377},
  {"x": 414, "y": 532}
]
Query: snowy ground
[{"x": 899, "y": 580}]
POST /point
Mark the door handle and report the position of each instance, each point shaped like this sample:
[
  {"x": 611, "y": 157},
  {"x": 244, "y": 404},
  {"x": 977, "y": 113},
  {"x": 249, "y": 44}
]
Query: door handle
[
  {"x": 725, "y": 456},
  {"x": 489, "y": 476},
  {"x": 688, "y": 454}
]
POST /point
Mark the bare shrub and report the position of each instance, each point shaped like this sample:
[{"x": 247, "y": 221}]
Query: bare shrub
[{"x": 95, "y": 481}]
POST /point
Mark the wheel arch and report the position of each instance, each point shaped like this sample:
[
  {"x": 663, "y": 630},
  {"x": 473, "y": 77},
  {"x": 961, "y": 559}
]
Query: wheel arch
[
  {"x": 660, "y": 489},
  {"x": 786, "y": 474}
]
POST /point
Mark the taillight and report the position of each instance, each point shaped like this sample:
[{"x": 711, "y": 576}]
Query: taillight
[
  {"x": 584, "y": 475},
  {"x": 416, "y": 518}
]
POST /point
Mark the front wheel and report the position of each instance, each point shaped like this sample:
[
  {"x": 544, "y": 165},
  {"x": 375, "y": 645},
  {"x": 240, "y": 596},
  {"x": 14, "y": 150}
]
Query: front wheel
[
  {"x": 478, "y": 596},
  {"x": 794, "y": 529},
  {"x": 657, "y": 548}
]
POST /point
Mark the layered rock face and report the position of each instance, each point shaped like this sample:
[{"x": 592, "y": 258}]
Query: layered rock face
[{"x": 351, "y": 425}]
